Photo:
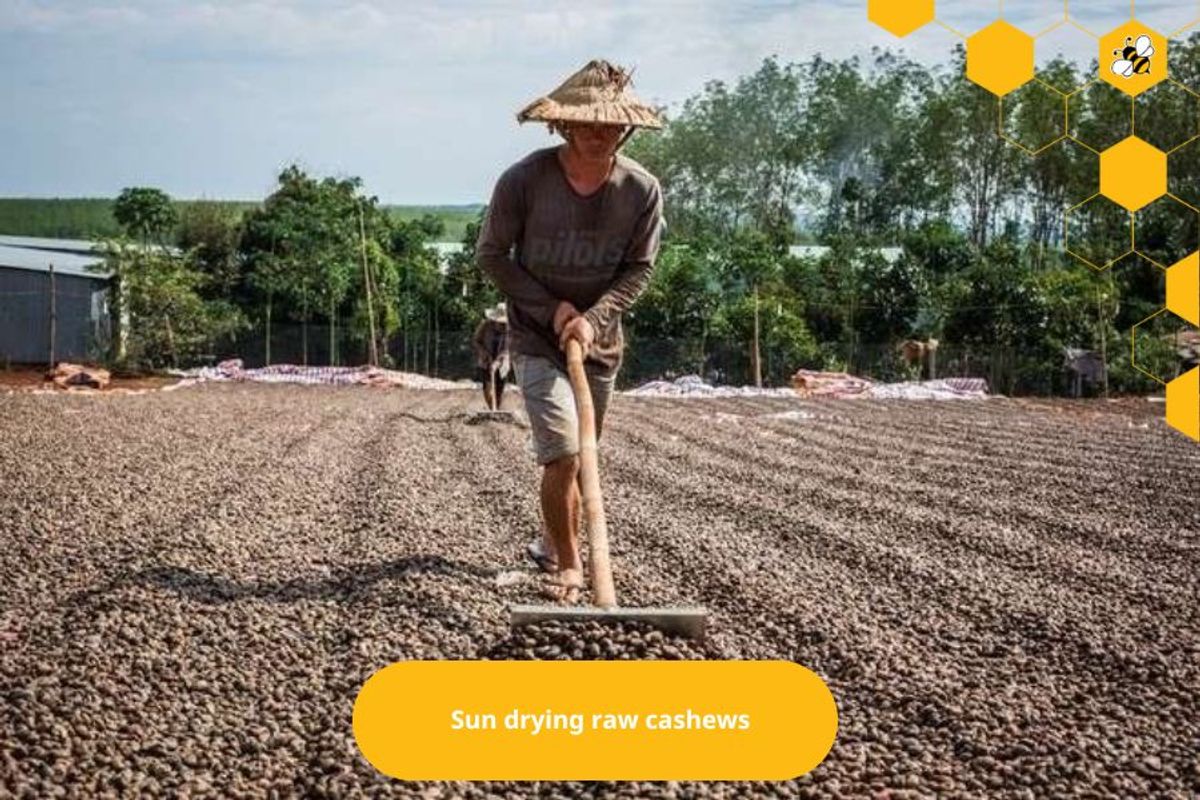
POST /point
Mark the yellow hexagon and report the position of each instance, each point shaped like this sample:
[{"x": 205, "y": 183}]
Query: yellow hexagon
[
  {"x": 1183, "y": 404},
  {"x": 1000, "y": 58},
  {"x": 901, "y": 17},
  {"x": 1133, "y": 57},
  {"x": 1183, "y": 289},
  {"x": 1133, "y": 173}
]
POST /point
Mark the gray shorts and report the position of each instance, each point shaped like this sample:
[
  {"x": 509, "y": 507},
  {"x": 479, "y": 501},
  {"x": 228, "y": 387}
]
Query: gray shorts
[{"x": 550, "y": 404}]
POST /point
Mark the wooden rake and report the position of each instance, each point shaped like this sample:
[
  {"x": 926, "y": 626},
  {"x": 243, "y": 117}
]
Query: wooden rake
[{"x": 680, "y": 620}]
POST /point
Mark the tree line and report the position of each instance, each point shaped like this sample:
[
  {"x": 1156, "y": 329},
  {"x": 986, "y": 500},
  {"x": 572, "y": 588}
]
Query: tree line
[
  {"x": 319, "y": 262},
  {"x": 861, "y": 154},
  {"x": 92, "y": 217},
  {"x": 858, "y": 155}
]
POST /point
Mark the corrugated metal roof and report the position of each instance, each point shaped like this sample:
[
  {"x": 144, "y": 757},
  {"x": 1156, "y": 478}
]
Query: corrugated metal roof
[
  {"x": 81, "y": 246},
  {"x": 40, "y": 260}
]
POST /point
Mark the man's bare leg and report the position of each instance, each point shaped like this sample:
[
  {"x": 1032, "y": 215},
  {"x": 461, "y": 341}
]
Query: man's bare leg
[
  {"x": 561, "y": 509},
  {"x": 548, "y": 545}
]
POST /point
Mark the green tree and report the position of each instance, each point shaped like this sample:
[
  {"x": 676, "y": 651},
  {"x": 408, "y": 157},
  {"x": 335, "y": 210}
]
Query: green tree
[
  {"x": 164, "y": 319},
  {"x": 733, "y": 157},
  {"x": 304, "y": 250},
  {"x": 986, "y": 174},
  {"x": 1057, "y": 177},
  {"x": 467, "y": 291},
  {"x": 145, "y": 214},
  {"x": 673, "y": 318},
  {"x": 862, "y": 126},
  {"x": 212, "y": 233},
  {"x": 418, "y": 291}
]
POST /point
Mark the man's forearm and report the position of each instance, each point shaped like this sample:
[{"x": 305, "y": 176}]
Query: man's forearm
[
  {"x": 621, "y": 296},
  {"x": 499, "y": 234},
  {"x": 634, "y": 274}
]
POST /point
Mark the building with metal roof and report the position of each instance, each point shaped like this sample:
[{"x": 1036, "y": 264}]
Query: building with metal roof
[
  {"x": 80, "y": 246},
  {"x": 54, "y": 301}
]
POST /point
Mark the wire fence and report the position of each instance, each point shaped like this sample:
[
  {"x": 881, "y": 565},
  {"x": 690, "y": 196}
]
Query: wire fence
[
  {"x": 442, "y": 354},
  {"x": 1006, "y": 369},
  {"x": 448, "y": 355},
  {"x": 82, "y": 331}
]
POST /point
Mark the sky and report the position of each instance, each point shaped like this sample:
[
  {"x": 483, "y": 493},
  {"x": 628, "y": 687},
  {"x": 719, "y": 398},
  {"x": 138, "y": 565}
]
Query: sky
[{"x": 212, "y": 99}]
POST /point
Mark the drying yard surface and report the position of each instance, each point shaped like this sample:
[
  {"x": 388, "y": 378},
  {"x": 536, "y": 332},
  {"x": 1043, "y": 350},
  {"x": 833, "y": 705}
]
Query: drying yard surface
[{"x": 1001, "y": 594}]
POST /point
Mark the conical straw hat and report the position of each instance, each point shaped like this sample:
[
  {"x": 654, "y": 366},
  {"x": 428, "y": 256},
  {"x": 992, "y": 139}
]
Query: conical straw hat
[{"x": 598, "y": 93}]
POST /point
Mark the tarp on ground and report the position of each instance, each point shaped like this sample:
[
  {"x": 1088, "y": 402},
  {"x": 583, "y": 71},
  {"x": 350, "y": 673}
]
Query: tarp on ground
[
  {"x": 831, "y": 385},
  {"x": 694, "y": 386},
  {"x": 941, "y": 389},
  {"x": 234, "y": 370}
]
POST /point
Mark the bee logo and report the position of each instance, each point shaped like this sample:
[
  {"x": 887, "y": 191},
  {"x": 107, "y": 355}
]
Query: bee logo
[{"x": 1134, "y": 58}]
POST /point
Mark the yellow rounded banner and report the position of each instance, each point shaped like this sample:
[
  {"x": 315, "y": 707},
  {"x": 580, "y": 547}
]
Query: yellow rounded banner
[{"x": 595, "y": 720}]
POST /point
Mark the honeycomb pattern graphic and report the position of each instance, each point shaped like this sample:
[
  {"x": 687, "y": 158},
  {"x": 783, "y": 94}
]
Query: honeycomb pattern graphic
[{"x": 1135, "y": 171}]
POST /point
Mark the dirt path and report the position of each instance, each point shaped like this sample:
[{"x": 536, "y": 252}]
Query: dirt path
[{"x": 1002, "y": 595}]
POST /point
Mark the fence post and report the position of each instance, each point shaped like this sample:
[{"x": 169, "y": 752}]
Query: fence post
[
  {"x": 1100, "y": 309},
  {"x": 53, "y": 316},
  {"x": 362, "y": 231},
  {"x": 757, "y": 354},
  {"x": 267, "y": 339}
]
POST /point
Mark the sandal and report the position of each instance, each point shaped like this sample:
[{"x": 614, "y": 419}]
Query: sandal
[
  {"x": 559, "y": 592},
  {"x": 545, "y": 562}
]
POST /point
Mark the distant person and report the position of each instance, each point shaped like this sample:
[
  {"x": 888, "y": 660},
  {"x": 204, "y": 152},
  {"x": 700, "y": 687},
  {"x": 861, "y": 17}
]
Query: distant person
[
  {"x": 490, "y": 344},
  {"x": 570, "y": 238}
]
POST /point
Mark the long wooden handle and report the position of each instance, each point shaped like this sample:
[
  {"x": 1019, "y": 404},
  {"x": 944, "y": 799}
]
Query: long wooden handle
[{"x": 604, "y": 594}]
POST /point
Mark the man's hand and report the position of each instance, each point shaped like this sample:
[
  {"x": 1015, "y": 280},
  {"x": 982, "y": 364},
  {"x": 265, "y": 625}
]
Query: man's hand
[
  {"x": 579, "y": 329},
  {"x": 564, "y": 313}
]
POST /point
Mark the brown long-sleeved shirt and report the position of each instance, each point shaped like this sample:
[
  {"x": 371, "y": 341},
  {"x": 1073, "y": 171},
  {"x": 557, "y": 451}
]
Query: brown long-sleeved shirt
[{"x": 541, "y": 242}]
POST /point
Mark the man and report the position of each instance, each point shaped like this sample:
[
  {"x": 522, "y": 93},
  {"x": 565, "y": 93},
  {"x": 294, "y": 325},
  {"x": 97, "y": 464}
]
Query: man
[
  {"x": 570, "y": 238},
  {"x": 490, "y": 344}
]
